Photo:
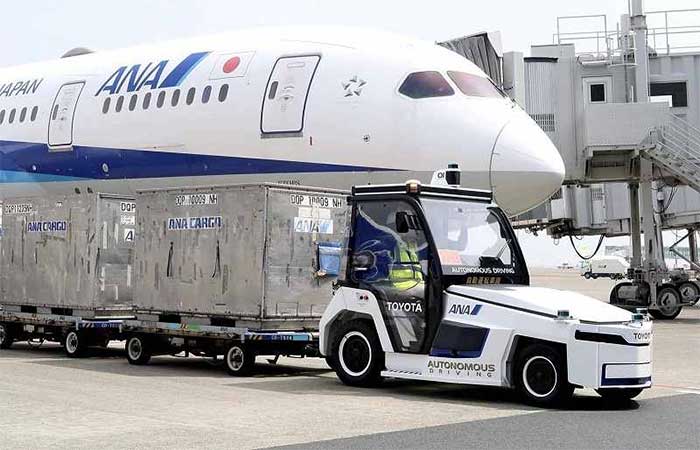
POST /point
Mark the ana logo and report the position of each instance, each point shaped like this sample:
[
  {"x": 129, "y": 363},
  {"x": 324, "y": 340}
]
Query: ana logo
[
  {"x": 136, "y": 77},
  {"x": 466, "y": 310}
]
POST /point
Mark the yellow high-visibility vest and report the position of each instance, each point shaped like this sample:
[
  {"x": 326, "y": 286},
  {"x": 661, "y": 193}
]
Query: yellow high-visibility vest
[{"x": 407, "y": 273}]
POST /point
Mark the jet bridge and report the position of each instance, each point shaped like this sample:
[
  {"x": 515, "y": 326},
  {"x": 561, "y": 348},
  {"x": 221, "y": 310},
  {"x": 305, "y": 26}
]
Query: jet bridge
[{"x": 617, "y": 104}]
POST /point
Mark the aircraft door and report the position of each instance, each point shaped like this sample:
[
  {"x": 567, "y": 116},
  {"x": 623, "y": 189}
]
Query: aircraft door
[
  {"x": 284, "y": 104},
  {"x": 62, "y": 115}
]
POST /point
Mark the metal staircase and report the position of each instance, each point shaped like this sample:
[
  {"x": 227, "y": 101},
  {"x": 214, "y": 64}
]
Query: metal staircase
[{"x": 677, "y": 150}]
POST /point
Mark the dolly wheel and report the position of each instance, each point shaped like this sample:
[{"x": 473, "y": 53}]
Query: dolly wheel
[
  {"x": 541, "y": 376},
  {"x": 74, "y": 344},
  {"x": 240, "y": 360},
  {"x": 138, "y": 351},
  {"x": 6, "y": 338},
  {"x": 617, "y": 395}
]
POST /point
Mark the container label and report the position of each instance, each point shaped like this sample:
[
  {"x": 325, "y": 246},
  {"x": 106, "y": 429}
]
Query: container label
[
  {"x": 310, "y": 225},
  {"x": 194, "y": 223},
  {"x": 17, "y": 208},
  {"x": 315, "y": 200},
  {"x": 127, "y": 206},
  {"x": 127, "y": 219},
  {"x": 47, "y": 226},
  {"x": 196, "y": 199},
  {"x": 314, "y": 213}
]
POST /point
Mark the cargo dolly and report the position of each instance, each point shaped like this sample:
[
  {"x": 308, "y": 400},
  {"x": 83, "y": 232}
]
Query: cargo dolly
[
  {"x": 76, "y": 334},
  {"x": 239, "y": 346}
]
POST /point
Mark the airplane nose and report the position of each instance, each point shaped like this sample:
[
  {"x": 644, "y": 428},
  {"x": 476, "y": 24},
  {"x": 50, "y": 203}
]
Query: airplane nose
[{"x": 526, "y": 168}]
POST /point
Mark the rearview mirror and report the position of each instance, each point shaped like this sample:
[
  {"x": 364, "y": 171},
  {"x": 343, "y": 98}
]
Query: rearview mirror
[{"x": 406, "y": 222}]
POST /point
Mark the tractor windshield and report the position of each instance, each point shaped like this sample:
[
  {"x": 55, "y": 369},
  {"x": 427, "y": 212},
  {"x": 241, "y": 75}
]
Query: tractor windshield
[{"x": 473, "y": 240}]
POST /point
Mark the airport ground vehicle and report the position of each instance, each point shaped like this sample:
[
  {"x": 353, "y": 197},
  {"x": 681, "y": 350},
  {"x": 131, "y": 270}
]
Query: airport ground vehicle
[
  {"x": 613, "y": 267},
  {"x": 436, "y": 288}
]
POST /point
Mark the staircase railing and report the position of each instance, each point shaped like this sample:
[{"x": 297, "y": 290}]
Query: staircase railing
[{"x": 678, "y": 149}]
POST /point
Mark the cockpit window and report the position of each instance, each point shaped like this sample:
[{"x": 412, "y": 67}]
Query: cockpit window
[
  {"x": 425, "y": 85},
  {"x": 474, "y": 85}
]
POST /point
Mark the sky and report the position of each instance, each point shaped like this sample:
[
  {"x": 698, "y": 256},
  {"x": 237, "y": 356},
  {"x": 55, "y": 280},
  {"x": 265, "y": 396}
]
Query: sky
[{"x": 35, "y": 30}]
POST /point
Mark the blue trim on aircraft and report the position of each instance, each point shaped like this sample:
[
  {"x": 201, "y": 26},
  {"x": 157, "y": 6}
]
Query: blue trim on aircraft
[
  {"x": 11, "y": 176},
  {"x": 22, "y": 162},
  {"x": 182, "y": 70}
]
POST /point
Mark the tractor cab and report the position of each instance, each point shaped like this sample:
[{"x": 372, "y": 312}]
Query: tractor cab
[{"x": 409, "y": 243}]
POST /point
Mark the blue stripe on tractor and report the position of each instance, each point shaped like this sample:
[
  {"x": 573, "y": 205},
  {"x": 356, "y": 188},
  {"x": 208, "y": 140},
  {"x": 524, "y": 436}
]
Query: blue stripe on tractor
[
  {"x": 182, "y": 70},
  {"x": 31, "y": 162},
  {"x": 459, "y": 340}
]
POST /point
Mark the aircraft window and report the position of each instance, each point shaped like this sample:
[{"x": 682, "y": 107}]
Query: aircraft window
[
  {"x": 206, "y": 95},
  {"x": 474, "y": 85},
  {"x": 2, "y": 116},
  {"x": 23, "y": 114},
  {"x": 161, "y": 99},
  {"x": 426, "y": 84},
  {"x": 176, "y": 97},
  {"x": 132, "y": 102},
  {"x": 223, "y": 93},
  {"x": 105, "y": 105},
  {"x": 12, "y": 116},
  {"x": 35, "y": 111},
  {"x": 190, "y": 95},
  {"x": 120, "y": 103},
  {"x": 55, "y": 112},
  {"x": 147, "y": 100},
  {"x": 273, "y": 90}
]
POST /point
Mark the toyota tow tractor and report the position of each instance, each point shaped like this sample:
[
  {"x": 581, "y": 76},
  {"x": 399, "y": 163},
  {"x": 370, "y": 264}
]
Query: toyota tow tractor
[{"x": 436, "y": 288}]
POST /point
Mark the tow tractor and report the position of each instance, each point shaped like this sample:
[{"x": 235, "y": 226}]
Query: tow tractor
[{"x": 436, "y": 288}]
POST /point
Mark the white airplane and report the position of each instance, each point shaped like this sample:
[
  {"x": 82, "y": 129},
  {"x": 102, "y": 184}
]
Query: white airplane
[{"x": 314, "y": 106}]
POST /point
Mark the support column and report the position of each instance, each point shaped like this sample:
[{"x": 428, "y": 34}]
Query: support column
[
  {"x": 692, "y": 244},
  {"x": 651, "y": 250},
  {"x": 635, "y": 226},
  {"x": 638, "y": 24}
]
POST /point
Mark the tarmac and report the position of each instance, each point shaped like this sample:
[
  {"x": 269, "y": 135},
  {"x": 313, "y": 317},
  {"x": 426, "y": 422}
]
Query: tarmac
[{"x": 48, "y": 400}]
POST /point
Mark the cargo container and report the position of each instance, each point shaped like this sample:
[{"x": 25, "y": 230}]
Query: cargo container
[
  {"x": 234, "y": 263},
  {"x": 66, "y": 266},
  {"x": 69, "y": 253},
  {"x": 256, "y": 255}
]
